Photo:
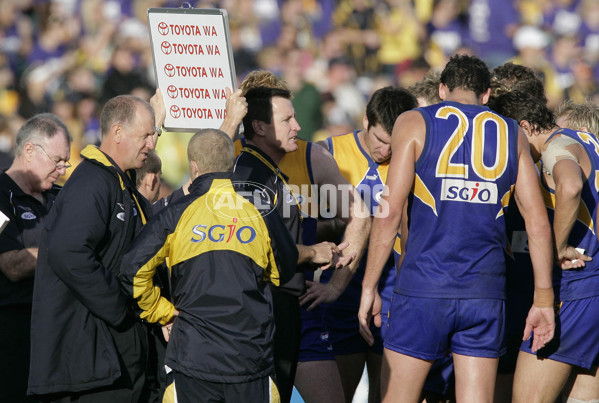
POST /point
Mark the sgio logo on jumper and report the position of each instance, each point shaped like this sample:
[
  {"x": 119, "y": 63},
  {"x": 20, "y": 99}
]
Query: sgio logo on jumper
[
  {"x": 469, "y": 191},
  {"x": 223, "y": 233}
]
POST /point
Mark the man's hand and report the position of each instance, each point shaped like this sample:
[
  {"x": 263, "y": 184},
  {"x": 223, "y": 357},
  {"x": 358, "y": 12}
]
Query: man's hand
[
  {"x": 370, "y": 306},
  {"x": 166, "y": 329},
  {"x": 237, "y": 108},
  {"x": 541, "y": 321},
  {"x": 571, "y": 258},
  {"x": 318, "y": 293},
  {"x": 326, "y": 255},
  {"x": 236, "y": 104},
  {"x": 157, "y": 104}
]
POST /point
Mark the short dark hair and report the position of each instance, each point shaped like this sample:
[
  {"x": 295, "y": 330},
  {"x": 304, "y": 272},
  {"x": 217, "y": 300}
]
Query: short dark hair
[
  {"x": 386, "y": 104},
  {"x": 521, "y": 106},
  {"x": 516, "y": 77},
  {"x": 467, "y": 73},
  {"x": 152, "y": 165},
  {"x": 40, "y": 126},
  {"x": 259, "y": 100}
]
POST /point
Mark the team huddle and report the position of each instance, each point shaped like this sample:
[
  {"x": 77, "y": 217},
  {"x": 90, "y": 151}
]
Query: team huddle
[{"x": 470, "y": 277}]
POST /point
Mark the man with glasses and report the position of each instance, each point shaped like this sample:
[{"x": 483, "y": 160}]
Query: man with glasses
[
  {"x": 86, "y": 343},
  {"x": 27, "y": 192}
]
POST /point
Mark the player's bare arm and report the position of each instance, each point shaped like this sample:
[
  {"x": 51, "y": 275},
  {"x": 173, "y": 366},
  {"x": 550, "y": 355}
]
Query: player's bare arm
[
  {"x": 568, "y": 177},
  {"x": 541, "y": 318},
  {"x": 408, "y": 137},
  {"x": 326, "y": 172}
]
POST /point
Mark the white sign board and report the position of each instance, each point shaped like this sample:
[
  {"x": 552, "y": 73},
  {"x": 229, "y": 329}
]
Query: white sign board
[{"x": 194, "y": 64}]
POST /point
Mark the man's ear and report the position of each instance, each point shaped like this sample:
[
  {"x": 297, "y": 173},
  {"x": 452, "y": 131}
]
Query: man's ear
[
  {"x": 155, "y": 181},
  {"x": 485, "y": 96},
  {"x": 526, "y": 127},
  {"x": 194, "y": 171},
  {"x": 259, "y": 127},
  {"x": 443, "y": 91},
  {"x": 28, "y": 149},
  {"x": 117, "y": 131}
]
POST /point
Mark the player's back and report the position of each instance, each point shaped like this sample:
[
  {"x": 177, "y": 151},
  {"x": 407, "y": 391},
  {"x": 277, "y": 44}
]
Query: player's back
[{"x": 463, "y": 181}]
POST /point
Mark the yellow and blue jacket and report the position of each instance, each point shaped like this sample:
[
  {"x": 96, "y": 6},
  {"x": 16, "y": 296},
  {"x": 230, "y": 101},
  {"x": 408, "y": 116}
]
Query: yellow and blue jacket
[{"x": 221, "y": 251}]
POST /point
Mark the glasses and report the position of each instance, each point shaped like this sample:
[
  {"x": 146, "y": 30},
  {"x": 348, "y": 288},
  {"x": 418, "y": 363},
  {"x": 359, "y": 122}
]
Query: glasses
[{"x": 64, "y": 166}]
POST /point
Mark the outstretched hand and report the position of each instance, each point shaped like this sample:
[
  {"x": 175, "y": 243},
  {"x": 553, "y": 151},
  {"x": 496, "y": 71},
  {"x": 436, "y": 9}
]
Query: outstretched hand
[
  {"x": 327, "y": 255},
  {"x": 541, "y": 321}
]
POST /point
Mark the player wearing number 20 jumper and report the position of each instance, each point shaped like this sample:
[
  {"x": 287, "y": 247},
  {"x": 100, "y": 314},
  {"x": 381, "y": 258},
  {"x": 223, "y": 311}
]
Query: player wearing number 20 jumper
[
  {"x": 456, "y": 165},
  {"x": 464, "y": 179}
]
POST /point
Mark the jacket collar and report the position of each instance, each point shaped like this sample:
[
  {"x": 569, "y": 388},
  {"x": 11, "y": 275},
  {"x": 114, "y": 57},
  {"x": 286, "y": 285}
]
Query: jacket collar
[
  {"x": 202, "y": 183},
  {"x": 94, "y": 154}
]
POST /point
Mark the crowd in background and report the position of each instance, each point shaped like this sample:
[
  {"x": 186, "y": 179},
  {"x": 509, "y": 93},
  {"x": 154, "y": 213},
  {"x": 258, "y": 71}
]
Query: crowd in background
[{"x": 70, "y": 56}]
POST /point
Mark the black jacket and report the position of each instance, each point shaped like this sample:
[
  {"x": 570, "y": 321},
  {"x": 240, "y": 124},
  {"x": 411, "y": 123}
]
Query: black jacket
[
  {"x": 266, "y": 178},
  {"x": 221, "y": 253},
  {"x": 79, "y": 308}
]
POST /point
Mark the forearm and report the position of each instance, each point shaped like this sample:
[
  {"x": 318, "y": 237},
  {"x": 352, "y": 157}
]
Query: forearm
[
  {"x": 230, "y": 125},
  {"x": 564, "y": 217},
  {"x": 155, "y": 308},
  {"x": 18, "y": 265},
  {"x": 305, "y": 254},
  {"x": 341, "y": 278},
  {"x": 382, "y": 238},
  {"x": 540, "y": 247},
  {"x": 356, "y": 235}
]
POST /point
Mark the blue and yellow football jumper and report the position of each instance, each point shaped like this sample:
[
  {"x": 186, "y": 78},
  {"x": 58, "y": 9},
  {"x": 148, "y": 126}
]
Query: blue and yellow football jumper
[
  {"x": 463, "y": 182},
  {"x": 578, "y": 284}
]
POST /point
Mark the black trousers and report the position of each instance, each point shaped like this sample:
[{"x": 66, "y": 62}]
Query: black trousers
[
  {"x": 191, "y": 390},
  {"x": 15, "y": 325},
  {"x": 288, "y": 327}
]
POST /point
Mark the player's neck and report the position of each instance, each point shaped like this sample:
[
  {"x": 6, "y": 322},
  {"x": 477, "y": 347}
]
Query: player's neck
[{"x": 463, "y": 97}]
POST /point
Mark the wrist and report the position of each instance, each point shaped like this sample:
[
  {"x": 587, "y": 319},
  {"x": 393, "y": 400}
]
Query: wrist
[{"x": 543, "y": 298}]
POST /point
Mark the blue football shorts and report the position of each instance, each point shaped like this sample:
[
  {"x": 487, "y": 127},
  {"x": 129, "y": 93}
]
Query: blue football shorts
[
  {"x": 314, "y": 342},
  {"x": 344, "y": 332},
  {"x": 430, "y": 328},
  {"x": 576, "y": 339}
]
